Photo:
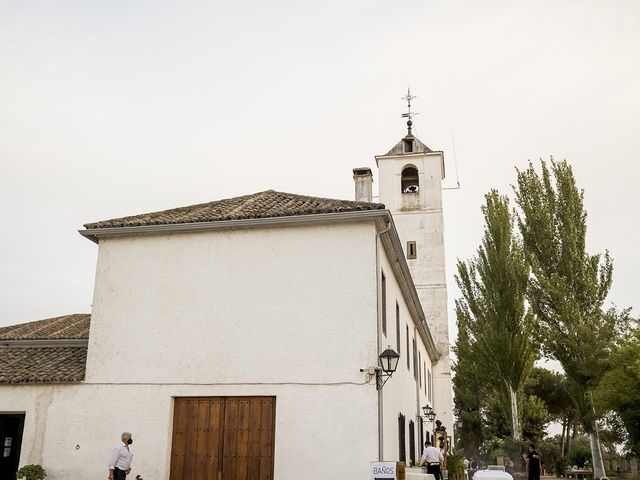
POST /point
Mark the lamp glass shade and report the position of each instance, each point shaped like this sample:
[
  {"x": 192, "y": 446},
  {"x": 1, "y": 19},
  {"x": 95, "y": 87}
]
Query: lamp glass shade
[
  {"x": 389, "y": 360},
  {"x": 427, "y": 410},
  {"x": 431, "y": 416}
]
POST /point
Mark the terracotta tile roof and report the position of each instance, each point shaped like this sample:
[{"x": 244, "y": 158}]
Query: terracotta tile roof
[
  {"x": 266, "y": 204},
  {"x": 26, "y": 359},
  {"x": 418, "y": 147},
  {"x": 75, "y": 326},
  {"x": 42, "y": 364}
]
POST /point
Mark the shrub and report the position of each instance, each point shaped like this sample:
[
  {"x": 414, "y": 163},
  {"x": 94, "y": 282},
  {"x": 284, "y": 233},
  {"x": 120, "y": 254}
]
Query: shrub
[
  {"x": 560, "y": 466},
  {"x": 31, "y": 472},
  {"x": 455, "y": 466}
]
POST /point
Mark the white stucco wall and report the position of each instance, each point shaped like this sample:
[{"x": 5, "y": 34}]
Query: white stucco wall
[
  {"x": 71, "y": 430},
  {"x": 235, "y": 306},
  {"x": 402, "y": 394},
  {"x": 261, "y": 306}
]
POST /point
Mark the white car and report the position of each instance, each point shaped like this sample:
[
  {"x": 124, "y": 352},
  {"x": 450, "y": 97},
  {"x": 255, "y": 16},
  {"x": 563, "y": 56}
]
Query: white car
[{"x": 493, "y": 472}]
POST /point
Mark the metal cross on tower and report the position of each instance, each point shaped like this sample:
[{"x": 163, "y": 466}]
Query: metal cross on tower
[{"x": 409, "y": 115}]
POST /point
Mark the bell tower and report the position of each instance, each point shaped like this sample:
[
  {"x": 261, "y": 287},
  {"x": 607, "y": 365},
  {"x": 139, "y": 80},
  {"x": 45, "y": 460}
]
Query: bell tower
[{"x": 410, "y": 185}]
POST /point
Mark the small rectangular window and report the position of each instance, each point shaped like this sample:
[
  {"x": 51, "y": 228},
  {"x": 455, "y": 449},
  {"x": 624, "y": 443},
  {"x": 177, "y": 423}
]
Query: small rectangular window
[
  {"x": 415, "y": 361},
  {"x": 401, "y": 439},
  {"x": 412, "y": 442},
  {"x": 424, "y": 372},
  {"x": 408, "y": 146},
  {"x": 411, "y": 250},
  {"x": 383, "y": 294},
  {"x": 431, "y": 392},
  {"x": 398, "y": 340},
  {"x": 408, "y": 351}
]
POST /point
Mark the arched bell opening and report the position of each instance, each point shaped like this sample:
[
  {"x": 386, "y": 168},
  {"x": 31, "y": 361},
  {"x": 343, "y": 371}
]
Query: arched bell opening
[{"x": 410, "y": 181}]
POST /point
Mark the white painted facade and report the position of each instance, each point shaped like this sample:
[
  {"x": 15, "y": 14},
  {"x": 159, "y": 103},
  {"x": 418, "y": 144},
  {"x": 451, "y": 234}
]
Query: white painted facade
[{"x": 289, "y": 311}]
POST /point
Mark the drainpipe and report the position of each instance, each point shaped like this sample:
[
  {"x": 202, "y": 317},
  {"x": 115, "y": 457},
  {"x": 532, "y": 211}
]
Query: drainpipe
[
  {"x": 379, "y": 339},
  {"x": 415, "y": 373}
]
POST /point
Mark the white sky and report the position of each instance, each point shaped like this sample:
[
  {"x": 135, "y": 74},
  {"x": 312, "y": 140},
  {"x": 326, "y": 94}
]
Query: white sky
[{"x": 115, "y": 108}]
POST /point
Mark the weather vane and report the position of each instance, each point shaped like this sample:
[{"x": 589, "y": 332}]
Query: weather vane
[{"x": 409, "y": 115}]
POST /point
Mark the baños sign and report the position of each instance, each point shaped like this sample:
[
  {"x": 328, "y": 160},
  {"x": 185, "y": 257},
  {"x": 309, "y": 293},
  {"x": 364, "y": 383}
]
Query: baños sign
[{"x": 384, "y": 471}]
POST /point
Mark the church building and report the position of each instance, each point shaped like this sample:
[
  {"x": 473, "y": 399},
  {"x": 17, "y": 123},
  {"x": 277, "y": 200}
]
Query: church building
[{"x": 267, "y": 336}]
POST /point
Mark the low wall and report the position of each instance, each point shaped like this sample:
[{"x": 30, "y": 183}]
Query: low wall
[{"x": 416, "y": 474}]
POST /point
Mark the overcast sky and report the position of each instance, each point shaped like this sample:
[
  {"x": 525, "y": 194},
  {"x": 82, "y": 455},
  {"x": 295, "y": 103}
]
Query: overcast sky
[{"x": 116, "y": 108}]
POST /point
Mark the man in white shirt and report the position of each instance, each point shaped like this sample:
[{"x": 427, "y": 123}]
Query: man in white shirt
[
  {"x": 121, "y": 457},
  {"x": 433, "y": 458}
]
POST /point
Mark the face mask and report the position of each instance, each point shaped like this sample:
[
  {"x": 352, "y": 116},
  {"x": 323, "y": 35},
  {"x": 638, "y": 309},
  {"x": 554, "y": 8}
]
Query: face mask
[{"x": 129, "y": 441}]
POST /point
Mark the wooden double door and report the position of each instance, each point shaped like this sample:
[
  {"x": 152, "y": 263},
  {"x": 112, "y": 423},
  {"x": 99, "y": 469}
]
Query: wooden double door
[{"x": 223, "y": 438}]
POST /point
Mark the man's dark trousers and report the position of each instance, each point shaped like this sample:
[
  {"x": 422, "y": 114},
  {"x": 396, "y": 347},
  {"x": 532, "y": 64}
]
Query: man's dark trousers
[
  {"x": 119, "y": 474},
  {"x": 434, "y": 469}
]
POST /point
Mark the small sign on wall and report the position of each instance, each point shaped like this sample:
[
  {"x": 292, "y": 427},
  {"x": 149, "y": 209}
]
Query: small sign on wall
[
  {"x": 7, "y": 441},
  {"x": 384, "y": 471}
]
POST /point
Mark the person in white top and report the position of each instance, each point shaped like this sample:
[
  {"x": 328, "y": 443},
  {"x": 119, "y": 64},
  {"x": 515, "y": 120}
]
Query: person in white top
[
  {"x": 121, "y": 457},
  {"x": 433, "y": 458}
]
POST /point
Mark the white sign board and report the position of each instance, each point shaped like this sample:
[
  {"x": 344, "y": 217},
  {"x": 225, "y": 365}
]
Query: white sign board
[{"x": 383, "y": 471}]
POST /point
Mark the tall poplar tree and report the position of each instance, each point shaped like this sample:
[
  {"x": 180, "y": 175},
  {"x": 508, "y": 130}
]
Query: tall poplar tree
[
  {"x": 568, "y": 286},
  {"x": 492, "y": 314}
]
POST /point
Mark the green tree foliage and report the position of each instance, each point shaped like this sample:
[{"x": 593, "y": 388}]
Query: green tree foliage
[
  {"x": 496, "y": 421},
  {"x": 619, "y": 389},
  {"x": 469, "y": 392},
  {"x": 553, "y": 389},
  {"x": 613, "y": 433},
  {"x": 580, "y": 452},
  {"x": 568, "y": 285},
  {"x": 495, "y": 418},
  {"x": 549, "y": 450},
  {"x": 492, "y": 315},
  {"x": 535, "y": 417}
]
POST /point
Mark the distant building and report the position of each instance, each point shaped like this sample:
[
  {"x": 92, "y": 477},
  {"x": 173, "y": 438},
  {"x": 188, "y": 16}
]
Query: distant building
[{"x": 235, "y": 338}]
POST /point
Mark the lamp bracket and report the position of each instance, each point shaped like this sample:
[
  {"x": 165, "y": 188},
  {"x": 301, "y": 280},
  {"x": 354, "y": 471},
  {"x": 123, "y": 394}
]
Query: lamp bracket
[{"x": 381, "y": 378}]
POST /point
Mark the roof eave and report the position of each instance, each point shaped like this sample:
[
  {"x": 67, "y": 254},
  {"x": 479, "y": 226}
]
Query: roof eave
[
  {"x": 94, "y": 234},
  {"x": 409, "y": 155},
  {"x": 55, "y": 342}
]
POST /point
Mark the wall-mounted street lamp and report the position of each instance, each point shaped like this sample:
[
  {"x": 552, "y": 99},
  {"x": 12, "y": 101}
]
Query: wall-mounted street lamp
[
  {"x": 428, "y": 412},
  {"x": 428, "y": 416},
  {"x": 388, "y": 361},
  {"x": 388, "y": 364}
]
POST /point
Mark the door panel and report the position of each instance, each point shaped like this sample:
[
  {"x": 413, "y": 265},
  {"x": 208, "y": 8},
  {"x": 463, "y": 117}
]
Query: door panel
[
  {"x": 223, "y": 438},
  {"x": 179, "y": 430},
  {"x": 267, "y": 433}
]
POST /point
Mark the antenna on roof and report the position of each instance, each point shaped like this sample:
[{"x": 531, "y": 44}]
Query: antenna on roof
[
  {"x": 455, "y": 162},
  {"x": 409, "y": 115}
]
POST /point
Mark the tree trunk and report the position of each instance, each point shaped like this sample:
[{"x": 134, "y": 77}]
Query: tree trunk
[
  {"x": 515, "y": 421},
  {"x": 596, "y": 453},
  {"x": 565, "y": 420},
  {"x": 572, "y": 429}
]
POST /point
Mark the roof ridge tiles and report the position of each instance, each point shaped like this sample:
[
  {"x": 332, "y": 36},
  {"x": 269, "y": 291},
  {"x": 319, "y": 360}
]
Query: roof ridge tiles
[
  {"x": 72, "y": 326},
  {"x": 266, "y": 204}
]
